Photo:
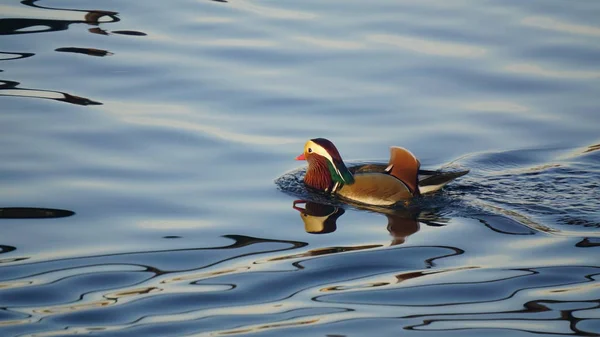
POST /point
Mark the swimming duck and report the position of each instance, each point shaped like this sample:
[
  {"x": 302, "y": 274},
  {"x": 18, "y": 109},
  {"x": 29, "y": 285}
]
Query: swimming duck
[{"x": 371, "y": 184}]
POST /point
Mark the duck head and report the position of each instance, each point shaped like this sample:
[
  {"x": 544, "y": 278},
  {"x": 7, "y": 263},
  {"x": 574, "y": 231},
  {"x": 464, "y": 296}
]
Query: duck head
[{"x": 326, "y": 169}]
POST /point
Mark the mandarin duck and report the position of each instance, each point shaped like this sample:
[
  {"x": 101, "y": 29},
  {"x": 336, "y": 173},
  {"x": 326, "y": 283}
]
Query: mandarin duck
[{"x": 370, "y": 184}]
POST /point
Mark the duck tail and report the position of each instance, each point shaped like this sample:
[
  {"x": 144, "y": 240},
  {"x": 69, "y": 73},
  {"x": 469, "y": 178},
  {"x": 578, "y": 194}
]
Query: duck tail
[{"x": 431, "y": 181}]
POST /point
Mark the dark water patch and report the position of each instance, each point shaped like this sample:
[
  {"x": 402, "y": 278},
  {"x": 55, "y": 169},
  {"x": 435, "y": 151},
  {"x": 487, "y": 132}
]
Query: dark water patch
[
  {"x": 129, "y": 32},
  {"x": 85, "y": 51},
  {"x": 6, "y": 249},
  {"x": 33, "y": 213},
  {"x": 98, "y": 30},
  {"x": 11, "y": 88},
  {"x": 505, "y": 225},
  {"x": 589, "y": 243},
  {"x": 10, "y": 26},
  {"x": 9, "y": 56}
]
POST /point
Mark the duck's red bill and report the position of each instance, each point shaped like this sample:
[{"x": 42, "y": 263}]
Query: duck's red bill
[{"x": 301, "y": 157}]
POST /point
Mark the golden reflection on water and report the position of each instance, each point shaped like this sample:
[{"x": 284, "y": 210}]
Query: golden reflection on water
[
  {"x": 548, "y": 326},
  {"x": 16, "y": 284},
  {"x": 257, "y": 328},
  {"x": 206, "y": 275},
  {"x": 16, "y": 322},
  {"x": 425, "y": 277},
  {"x": 61, "y": 309},
  {"x": 132, "y": 292},
  {"x": 592, "y": 148},
  {"x": 579, "y": 152}
]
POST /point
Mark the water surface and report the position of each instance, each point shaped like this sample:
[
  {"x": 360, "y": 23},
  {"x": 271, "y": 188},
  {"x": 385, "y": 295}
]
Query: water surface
[{"x": 143, "y": 148}]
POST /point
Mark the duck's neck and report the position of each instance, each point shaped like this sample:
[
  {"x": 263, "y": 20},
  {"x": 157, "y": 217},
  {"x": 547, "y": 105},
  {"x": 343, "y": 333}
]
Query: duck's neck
[{"x": 318, "y": 175}]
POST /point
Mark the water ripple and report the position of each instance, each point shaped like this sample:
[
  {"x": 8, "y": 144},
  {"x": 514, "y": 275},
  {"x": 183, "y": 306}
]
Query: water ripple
[
  {"x": 423, "y": 46},
  {"x": 10, "y": 88},
  {"x": 181, "y": 115},
  {"x": 560, "y": 26}
]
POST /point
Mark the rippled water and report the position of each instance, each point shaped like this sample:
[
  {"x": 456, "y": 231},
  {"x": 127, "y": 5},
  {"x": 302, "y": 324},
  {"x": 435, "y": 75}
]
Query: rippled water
[{"x": 147, "y": 182}]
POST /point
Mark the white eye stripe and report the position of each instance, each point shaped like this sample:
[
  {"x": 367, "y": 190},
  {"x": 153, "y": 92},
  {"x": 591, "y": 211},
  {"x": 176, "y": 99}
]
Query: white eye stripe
[{"x": 321, "y": 151}]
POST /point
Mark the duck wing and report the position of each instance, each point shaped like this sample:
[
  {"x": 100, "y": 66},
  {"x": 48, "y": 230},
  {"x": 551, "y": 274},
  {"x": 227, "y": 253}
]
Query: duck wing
[
  {"x": 376, "y": 189},
  {"x": 380, "y": 168},
  {"x": 368, "y": 168}
]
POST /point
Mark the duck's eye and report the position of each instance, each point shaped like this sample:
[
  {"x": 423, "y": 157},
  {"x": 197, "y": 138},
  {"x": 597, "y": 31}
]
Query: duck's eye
[{"x": 309, "y": 150}]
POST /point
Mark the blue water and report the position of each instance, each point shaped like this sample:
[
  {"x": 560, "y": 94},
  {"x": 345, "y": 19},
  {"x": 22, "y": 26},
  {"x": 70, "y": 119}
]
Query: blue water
[{"x": 169, "y": 128}]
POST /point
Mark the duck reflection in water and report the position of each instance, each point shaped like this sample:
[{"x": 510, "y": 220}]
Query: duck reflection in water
[
  {"x": 318, "y": 218},
  {"x": 322, "y": 219}
]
